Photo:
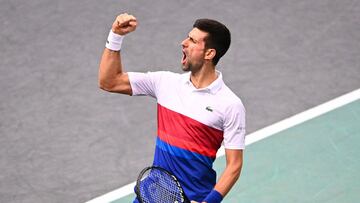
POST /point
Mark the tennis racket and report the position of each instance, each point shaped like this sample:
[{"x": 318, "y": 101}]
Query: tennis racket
[{"x": 157, "y": 185}]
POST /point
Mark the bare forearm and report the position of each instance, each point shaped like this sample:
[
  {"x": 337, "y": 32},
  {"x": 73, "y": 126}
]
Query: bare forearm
[
  {"x": 234, "y": 160},
  {"x": 110, "y": 67},
  {"x": 227, "y": 180}
]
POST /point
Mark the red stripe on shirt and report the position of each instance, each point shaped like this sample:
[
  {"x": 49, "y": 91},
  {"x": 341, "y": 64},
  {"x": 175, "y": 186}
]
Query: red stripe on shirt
[{"x": 186, "y": 133}]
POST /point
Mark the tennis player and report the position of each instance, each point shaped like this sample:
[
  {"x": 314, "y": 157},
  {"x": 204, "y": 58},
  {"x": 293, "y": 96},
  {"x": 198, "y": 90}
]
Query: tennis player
[{"x": 197, "y": 112}]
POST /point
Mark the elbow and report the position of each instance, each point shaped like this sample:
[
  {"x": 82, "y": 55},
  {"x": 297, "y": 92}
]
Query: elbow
[
  {"x": 103, "y": 88},
  {"x": 114, "y": 87},
  {"x": 102, "y": 84},
  {"x": 117, "y": 84},
  {"x": 105, "y": 85}
]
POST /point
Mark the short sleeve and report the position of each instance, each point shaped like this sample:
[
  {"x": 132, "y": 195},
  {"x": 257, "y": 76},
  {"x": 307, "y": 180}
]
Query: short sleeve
[
  {"x": 234, "y": 127},
  {"x": 144, "y": 83}
]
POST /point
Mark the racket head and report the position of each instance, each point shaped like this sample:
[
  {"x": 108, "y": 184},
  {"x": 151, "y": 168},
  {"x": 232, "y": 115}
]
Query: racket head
[{"x": 155, "y": 185}]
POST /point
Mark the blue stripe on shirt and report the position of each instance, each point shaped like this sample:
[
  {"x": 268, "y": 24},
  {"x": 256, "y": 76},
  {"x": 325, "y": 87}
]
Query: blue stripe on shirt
[
  {"x": 196, "y": 177},
  {"x": 176, "y": 151}
]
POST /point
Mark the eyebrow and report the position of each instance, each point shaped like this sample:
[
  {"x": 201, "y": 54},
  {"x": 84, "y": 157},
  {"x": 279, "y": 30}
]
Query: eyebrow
[{"x": 192, "y": 39}]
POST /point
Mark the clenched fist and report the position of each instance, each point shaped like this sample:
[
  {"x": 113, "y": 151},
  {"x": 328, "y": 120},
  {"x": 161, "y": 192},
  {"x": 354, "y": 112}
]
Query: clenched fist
[{"x": 124, "y": 23}]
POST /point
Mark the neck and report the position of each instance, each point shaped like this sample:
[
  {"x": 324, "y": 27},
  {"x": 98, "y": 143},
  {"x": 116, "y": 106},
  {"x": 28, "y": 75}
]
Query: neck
[{"x": 203, "y": 77}]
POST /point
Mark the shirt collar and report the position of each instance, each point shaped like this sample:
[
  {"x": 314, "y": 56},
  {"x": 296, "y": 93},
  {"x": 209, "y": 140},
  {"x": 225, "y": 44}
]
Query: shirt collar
[{"x": 213, "y": 88}]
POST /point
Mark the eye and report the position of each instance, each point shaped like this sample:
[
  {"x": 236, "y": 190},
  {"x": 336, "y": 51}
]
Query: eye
[{"x": 192, "y": 40}]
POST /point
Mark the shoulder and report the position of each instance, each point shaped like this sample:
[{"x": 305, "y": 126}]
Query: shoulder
[
  {"x": 232, "y": 105},
  {"x": 230, "y": 99},
  {"x": 153, "y": 75},
  {"x": 166, "y": 77},
  {"x": 165, "y": 74}
]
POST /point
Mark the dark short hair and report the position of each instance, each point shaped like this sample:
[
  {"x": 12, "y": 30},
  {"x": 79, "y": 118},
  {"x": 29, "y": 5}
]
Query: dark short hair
[{"x": 219, "y": 37}]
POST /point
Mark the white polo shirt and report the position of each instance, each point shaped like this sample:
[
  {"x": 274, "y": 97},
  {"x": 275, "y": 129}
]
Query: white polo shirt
[
  {"x": 215, "y": 106},
  {"x": 192, "y": 125}
]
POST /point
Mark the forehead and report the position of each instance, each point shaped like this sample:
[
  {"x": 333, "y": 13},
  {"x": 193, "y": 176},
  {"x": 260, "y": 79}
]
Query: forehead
[{"x": 197, "y": 34}]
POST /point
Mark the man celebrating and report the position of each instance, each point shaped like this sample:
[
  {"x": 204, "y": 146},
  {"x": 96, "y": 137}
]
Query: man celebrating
[{"x": 197, "y": 112}]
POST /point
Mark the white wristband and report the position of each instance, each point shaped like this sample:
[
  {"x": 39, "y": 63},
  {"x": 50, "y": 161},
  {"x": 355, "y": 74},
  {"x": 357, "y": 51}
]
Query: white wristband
[{"x": 114, "y": 41}]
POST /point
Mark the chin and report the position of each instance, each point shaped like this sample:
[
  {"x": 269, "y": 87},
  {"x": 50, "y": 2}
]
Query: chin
[{"x": 185, "y": 68}]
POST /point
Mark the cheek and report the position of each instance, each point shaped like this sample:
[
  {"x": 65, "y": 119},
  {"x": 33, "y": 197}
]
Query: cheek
[{"x": 199, "y": 55}]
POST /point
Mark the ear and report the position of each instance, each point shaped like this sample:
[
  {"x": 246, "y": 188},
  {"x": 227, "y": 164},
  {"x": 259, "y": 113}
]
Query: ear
[{"x": 210, "y": 54}]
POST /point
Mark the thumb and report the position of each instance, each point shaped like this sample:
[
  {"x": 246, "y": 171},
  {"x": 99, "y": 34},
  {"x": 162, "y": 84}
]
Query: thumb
[{"x": 133, "y": 23}]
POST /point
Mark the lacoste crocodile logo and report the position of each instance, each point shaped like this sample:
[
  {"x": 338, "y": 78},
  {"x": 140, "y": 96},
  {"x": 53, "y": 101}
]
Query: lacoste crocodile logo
[{"x": 209, "y": 108}]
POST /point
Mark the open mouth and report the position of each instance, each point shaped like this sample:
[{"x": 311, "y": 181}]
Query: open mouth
[{"x": 183, "y": 60}]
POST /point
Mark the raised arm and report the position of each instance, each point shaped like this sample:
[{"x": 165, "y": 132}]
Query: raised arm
[{"x": 112, "y": 77}]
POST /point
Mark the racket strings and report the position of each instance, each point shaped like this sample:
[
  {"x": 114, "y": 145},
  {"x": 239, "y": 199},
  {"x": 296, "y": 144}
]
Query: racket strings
[{"x": 158, "y": 187}]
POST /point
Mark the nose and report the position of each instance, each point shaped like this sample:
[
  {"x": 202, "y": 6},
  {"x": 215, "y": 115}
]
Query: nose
[{"x": 184, "y": 42}]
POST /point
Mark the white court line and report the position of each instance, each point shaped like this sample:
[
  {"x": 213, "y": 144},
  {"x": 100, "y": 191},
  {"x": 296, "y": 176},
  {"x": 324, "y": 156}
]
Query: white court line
[{"x": 255, "y": 136}]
